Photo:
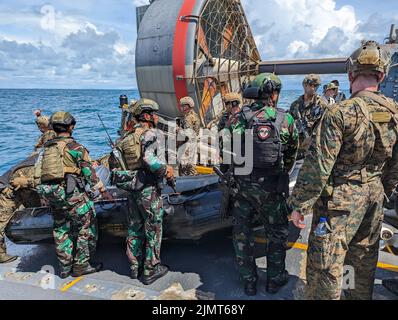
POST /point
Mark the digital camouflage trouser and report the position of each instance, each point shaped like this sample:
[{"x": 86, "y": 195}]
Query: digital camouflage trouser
[
  {"x": 74, "y": 215},
  {"x": 144, "y": 235},
  {"x": 354, "y": 214},
  {"x": 272, "y": 211}
]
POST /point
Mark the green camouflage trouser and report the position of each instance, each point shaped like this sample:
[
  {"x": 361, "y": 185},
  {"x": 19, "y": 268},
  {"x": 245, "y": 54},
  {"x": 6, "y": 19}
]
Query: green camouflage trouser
[
  {"x": 74, "y": 214},
  {"x": 144, "y": 235},
  {"x": 271, "y": 209},
  {"x": 354, "y": 214}
]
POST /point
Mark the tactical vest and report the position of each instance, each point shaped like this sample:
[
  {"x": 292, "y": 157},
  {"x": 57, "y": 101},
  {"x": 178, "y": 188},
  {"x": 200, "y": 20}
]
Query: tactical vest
[
  {"x": 54, "y": 163},
  {"x": 130, "y": 148},
  {"x": 267, "y": 144}
]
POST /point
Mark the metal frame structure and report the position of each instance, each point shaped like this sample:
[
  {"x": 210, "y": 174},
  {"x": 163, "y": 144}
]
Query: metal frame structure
[{"x": 226, "y": 55}]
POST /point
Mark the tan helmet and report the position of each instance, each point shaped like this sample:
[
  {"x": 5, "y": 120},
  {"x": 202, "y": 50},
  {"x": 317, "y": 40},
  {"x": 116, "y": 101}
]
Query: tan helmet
[
  {"x": 370, "y": 58},
  {"x": 62, "y": 118},
  {"x": 145, "y": 105},
  {"x": 188, "y": 101},
  {"x": 43, "y": 121},
  {"x": 331, "y": 86},
  {"x": 131, "y": 106},
  {"x": 232, "y": 96},
  {"x": 312, "y": 79}
]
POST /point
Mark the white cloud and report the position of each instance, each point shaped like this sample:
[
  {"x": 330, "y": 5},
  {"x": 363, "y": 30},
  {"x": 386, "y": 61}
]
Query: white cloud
[
  {"x": 138, "y": 3},
  {"x": 299, "y": 28},
  {"x": 298, "y": 48}
]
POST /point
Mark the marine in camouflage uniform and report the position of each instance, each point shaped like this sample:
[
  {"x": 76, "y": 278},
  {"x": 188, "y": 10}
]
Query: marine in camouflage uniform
[
  {"x": 354, "y": 154},
  {"x": 339, "y": 96},
  {"x": 307, "y": 110},
  {"x": 257, "y": 197},
  {"x": 191, "y": 123},
  {"x": 233, "y": 102},
  {"x": 16, "y": 190},
  {"x": 72, "y": 207},
  {"x": 146, "y": 170},
  {"x": 43, "y": 123}
]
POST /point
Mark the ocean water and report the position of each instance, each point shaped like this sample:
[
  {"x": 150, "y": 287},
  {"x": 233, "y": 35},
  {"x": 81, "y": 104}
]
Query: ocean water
[{"x": 18, "y": 131}]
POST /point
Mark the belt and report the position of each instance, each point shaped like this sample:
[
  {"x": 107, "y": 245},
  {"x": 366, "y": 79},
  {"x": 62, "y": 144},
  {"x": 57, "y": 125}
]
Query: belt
[{"x": 364, "y": 175}]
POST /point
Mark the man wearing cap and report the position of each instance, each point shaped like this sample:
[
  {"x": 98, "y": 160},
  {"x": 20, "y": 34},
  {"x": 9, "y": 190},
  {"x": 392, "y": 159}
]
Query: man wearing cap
[{"x": 307, "y": 110}]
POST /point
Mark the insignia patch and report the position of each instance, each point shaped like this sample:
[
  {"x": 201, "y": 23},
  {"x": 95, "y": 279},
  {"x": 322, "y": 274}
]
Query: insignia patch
[{"x": 264, "y": 132}]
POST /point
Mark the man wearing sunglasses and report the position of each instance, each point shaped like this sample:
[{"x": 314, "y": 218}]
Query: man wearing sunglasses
[{"x": 307, "y": 110}]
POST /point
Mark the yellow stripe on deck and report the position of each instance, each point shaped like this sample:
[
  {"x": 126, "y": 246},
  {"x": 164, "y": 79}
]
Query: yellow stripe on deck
[
  {"x": 304, "y": 247},
  {"x": 70, "y": 284},
  {"x": 204, "y": 170}
]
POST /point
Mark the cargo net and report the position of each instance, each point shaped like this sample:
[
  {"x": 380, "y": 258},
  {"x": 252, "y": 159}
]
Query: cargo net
[{"x": 226, "y": 55}]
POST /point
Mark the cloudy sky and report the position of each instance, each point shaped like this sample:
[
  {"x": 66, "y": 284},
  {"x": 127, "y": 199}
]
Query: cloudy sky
[{"x": 90, "y": 43}]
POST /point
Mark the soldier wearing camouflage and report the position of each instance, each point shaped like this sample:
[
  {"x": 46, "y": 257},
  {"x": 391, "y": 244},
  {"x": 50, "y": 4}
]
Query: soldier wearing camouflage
[
  {"x": 352, "y": 162},
  {"x": 43, "y": 123},
  {"x": 307, "y": 110},
  {"x": 16, "y": 190},
  {"x": 146, "y": 170},
  {"x": 330, "y": 91},
  {"x": 191, "y": 128},
  {"x": 339, "y": 95},
  {"x": 256, "y": 195},
  {"x": 66, "y": 169},
  {"x": 233, "y": 105}
]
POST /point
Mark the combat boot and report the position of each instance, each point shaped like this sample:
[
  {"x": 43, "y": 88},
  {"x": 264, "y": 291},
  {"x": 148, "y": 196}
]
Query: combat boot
[
  {"x": 79, "y": 270},
  {"x": 160, "y": 271},
  {"x": 275, "y": 284},
  {"x": 65, "y": 274},
  {"x": 136, "y": 273},
  {"x": 250, "y": 288},
  {"x": 391, "y": 285},
  {"x": 4, "y": 257}
]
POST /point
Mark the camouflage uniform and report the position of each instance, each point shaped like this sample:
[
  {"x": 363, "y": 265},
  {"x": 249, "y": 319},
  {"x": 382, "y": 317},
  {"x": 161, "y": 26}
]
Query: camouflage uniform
[
  {"x": 74, "y": 212},
  {"x": 353, "y": 154},
  {"x": 259, "y": 200},
  {"x": 46, "y": 136},
  {"x": 145, "y": 207},
  {"x": 306, "y": 117},
  {"x": 12, "y": 197},
  {"x": 190, "y": 122}
]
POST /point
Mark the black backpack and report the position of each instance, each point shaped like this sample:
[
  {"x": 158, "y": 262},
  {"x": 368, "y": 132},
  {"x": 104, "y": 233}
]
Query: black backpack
[{"x": 267, "y": 144}]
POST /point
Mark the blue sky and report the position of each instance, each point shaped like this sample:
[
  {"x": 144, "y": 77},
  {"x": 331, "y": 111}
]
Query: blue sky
[{"x": 91, "y": 43}]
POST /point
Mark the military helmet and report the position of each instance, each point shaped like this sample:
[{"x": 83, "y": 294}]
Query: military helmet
[
  {"x": 331, "y": 86},
  {"x": 145, "y": 105},
  {"x": 232, "y": 96},
  {"x": 370, "y": 58},
  {"x": 263, "y": 86},
  {"x": 312, "y": 79},
  {"x": 188, "y": 101},
  {"x": 268, "y": 82},
  {"x": 62, "y": 118},
  {"x": 131, "y": 106},
  {"x": 43, "y": 121}
]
